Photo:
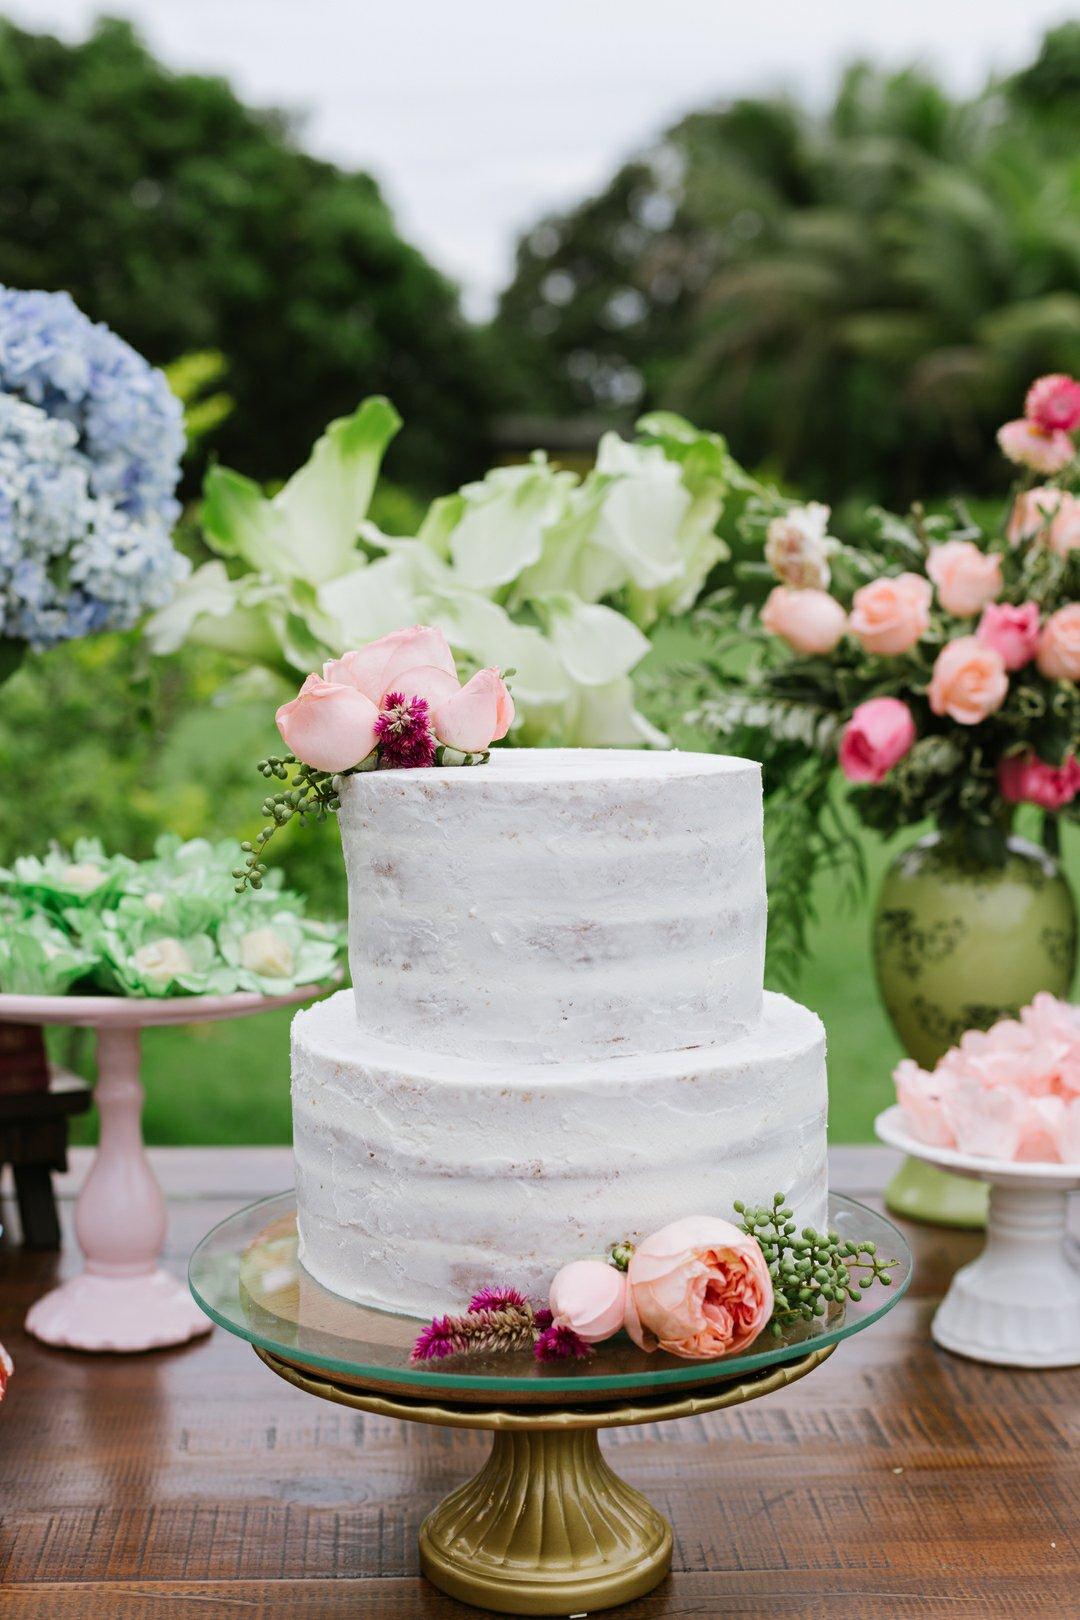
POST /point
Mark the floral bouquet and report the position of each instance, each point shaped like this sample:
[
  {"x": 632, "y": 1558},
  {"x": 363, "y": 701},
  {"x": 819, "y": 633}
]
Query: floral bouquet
[
  {"x": 936, "y": 664},
  {"x": 90, "y": 445},
  {"x": 91, "y": 923},
  {"x": 1009, "y": 1092}
]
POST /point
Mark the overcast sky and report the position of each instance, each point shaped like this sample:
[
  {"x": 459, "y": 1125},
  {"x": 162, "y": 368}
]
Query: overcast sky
[{"x": 478, "y": 115}]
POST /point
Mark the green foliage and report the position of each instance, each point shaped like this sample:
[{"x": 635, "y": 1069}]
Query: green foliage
[
  {"x": 861, "y": 297},
  {"x": 812, "y": 1272},
  {"x": 190, "y": 223}
]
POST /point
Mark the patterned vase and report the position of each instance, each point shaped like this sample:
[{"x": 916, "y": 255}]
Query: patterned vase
[{"x": 959, "y": 943}]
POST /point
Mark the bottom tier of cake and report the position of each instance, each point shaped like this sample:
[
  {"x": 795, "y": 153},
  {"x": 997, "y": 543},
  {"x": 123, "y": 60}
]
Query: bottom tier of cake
[{"x": 419, "y": 1179}]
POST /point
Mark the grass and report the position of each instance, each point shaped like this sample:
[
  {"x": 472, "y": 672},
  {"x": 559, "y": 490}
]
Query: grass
[{"x": 229, "y": 1083}]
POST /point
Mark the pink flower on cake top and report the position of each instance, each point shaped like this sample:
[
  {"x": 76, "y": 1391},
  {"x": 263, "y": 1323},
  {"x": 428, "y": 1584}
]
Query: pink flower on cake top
[
  {"x": 1009, "y": 1092},
  {"x": 400, "y": 698}
]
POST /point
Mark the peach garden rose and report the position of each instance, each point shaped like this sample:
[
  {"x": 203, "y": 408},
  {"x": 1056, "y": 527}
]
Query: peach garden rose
[
  {"x": 810, "y": 621},
  {"x": 1058, "y": 657},
  {"x": 1046, "y": 514},
  {"x": 966, "y": 578},
  {"x": 699, "y": 1287},
  {"x": 969, "y": 681},
  {"x": 889, "y": 615}
]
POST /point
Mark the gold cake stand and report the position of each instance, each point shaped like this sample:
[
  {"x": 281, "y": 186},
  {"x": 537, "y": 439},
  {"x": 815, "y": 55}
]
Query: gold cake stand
[{"x": 546, "y": 1527}]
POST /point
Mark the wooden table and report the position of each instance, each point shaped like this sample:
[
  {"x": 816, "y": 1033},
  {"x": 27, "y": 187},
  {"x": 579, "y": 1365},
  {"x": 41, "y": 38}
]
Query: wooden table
[{"x": 897, "y": 1481}]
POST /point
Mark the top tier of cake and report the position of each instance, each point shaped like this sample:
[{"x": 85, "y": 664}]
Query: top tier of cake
[{"x": 556, "y": 904}]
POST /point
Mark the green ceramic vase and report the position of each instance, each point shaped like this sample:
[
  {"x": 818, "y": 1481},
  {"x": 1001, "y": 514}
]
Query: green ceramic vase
[{"x": 959, "y": 943}]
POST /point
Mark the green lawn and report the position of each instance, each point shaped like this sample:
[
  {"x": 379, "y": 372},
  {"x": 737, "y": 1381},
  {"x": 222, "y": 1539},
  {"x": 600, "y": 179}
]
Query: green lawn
[{"x": 229, "y": 1083}]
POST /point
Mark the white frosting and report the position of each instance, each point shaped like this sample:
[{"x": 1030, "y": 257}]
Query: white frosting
[
  {"x": 421, "y": 1178},
  {"x": 557, "y": 904}
]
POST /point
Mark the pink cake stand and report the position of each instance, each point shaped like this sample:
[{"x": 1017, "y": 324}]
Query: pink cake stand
[{"x": 123, "y": 1300}]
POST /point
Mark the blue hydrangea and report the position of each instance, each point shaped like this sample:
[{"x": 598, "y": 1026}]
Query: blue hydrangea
[{"x": 90, "y": 444}]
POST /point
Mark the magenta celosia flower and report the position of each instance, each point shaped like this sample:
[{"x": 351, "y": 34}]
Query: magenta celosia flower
[
  {"x": 434, "y": 1341},
  {"x": 404, "y": 734},
  {"x": 495, "y": 1299},
  {"x": 560, "y": 1343},
  {"x": 1054, "y": 402}
]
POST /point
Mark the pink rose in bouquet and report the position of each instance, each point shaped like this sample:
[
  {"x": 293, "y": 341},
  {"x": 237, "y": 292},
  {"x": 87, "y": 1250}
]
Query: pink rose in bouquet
[
  {"x": 889, "y": 615},
  {"x": 1058, "y": 657},
  {"x": 1011, "y": 631},
  {"x": 966, "y": 578},
  {"x": 1027, "y": 779},
  {"x": 878, "y": 735},
  {"x": 1045, "y": 513},
  {"x": 969, "y": 681},
  {"x": 1054, "y": 403},
  {"x": 810, "y": 621},
  {"x": 1044, "y": 450},
  {"x": 698, "y": 1288}
]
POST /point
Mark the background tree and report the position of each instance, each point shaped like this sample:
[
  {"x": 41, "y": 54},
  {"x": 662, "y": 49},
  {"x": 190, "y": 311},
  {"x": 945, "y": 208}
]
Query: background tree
[
  {"x": 189, "y": 222},
  {"x": 862, "y": 296}
]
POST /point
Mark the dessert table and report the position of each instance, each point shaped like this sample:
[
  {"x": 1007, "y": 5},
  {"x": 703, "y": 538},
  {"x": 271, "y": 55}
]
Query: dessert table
[{"x": 897, "y": 1480}]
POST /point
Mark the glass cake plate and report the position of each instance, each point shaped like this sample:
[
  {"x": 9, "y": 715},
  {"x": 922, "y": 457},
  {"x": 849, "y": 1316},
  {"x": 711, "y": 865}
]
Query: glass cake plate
[{"x": 246, "y": 1276}]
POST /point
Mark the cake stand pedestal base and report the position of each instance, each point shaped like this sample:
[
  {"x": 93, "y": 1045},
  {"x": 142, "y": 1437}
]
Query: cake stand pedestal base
[
  {"x": 93, "y": 1312},
  {"x": 547, "y": 1527}
]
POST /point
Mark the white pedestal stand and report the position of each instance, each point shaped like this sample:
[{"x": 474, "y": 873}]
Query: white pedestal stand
[
  {"x": 123, "y": 1300},
  {"x": 1018, "y": 1304}
]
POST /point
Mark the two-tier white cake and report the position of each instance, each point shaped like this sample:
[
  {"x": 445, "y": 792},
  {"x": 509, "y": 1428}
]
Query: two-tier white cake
[{"x": 557, "y": 1035}]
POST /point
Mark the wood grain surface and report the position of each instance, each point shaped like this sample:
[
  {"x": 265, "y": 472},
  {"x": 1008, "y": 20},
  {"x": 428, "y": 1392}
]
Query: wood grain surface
[{"x": 895, "y": 1481}]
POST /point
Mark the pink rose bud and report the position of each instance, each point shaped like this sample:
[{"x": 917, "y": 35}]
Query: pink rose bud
[
  {"x": 1011, "y": 631},
  {"x": 879, "y": 733},
  {"x": 966, "y": 578},
  {"x": 589, "y": 1297},
  {"x": 889, "y": 615},
  {"x": 1027, "y": 779},
  {"x": 377, "y": 668},
  {"x": 331, "y": 728},
  {"x": 810, "y": 621},
  {"x": 1029, "y": 445},
  {"x": 478, "y": 715},
  {"x": 969, "y": 681},
  {"x": 1058, "y": 657},
  {"x": 1054, "y": 403},
  {"x": 697, "y": 1288},
  {"x": 1045, "y": 514}
]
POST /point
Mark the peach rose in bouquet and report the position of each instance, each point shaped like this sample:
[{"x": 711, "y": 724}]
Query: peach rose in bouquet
[
  {"x": 969, "y": 681},
  {"x": 1048, "y": 514},
  {"x": 1058, "y": 656},
  {"x": 698, "y": 1288},
  {"x": 890, "y": 615},
  {"x": 966, "y": 578},
  {"x": 811, "y": 622}
]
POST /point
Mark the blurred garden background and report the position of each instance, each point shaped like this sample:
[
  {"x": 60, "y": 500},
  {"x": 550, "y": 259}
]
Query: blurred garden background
[{"x": 855, "y": 289}]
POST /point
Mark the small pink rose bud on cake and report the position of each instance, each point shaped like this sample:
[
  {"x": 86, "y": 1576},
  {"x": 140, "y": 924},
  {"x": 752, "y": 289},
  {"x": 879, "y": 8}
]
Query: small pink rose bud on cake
[
  {"x": 1054, "y": 403},
  {"x": 329, "y": 727},
  {"x": 878, "y": 735},
  {"x": 969, "y": 681},
  {"x": 1027, "y": 779},
  {"x": 589, "y": 1297},
  {"x": 379, "y": 667},
  {"x": 697, "y": 1288},
  {"x": 481, "y": 713},
  {"x": 811, "y": 622},
  {"x": 966, "y": 578},
  {"x": 889, "y": 615},
  {"x": 1011, "y": 631},
  {"x": 1058, "y": 657},
  {"x": 1027, "y": 444}
]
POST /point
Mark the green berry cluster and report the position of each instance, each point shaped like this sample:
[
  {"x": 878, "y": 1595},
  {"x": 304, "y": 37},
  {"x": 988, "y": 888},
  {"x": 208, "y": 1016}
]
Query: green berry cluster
[
  {"x": 311, "y": 793},
  {"x": 812, "y": 1272}
]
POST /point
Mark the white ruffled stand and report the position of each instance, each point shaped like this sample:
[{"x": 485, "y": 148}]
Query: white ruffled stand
[{"x": 1018, "y": 1304}]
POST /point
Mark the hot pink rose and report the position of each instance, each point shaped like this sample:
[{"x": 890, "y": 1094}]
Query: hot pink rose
[
  {"x": 879, "y": 733},
  {"x": 889, "y": 615},
  {"x": 969, "y": 681},
  {"x": 379, "y": 667},
  {"x": 1054, "y": 402},
  {"x": 809, "y": 621},
  {"x": 1027, "y": 779},
  {"x": 1058, "y": 657},
  {"x": 1046, "y": 513},
  {"x": 589, "y": 1297},
  {"x": 1030, "y": 445},
  {"x": 966, "y": 578},
  {"x": 476, "y": 716},
  {"x": 919, "y": 1095},
  {"x": 329, "y": 727},
  {"x": 697, "y": 1288},
  {"x": 1011, "y": 631}
]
